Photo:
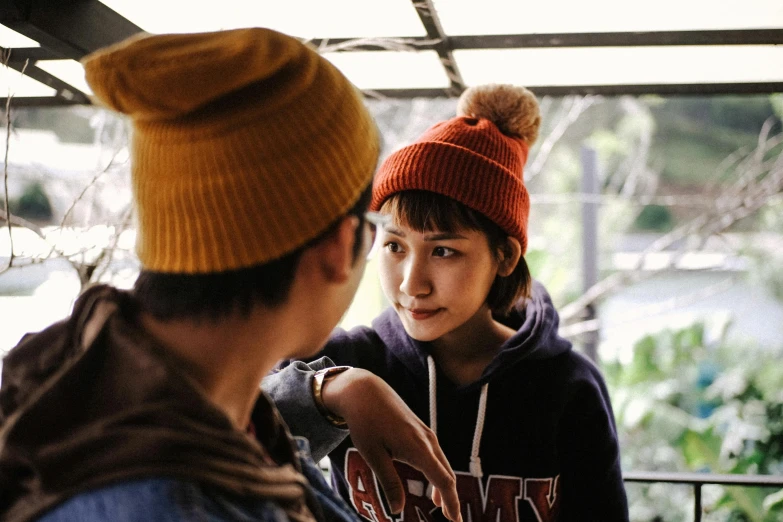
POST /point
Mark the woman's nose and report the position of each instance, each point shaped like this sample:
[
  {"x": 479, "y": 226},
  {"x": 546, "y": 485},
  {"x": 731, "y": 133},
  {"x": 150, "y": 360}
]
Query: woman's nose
[{"x": 415, "y": 280}]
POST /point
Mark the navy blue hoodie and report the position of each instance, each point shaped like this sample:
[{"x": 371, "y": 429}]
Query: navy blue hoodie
[{"x": 546, "y": 446}]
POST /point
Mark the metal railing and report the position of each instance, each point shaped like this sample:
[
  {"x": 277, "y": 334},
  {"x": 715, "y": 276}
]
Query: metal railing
[{"x": 697, "y": 480}]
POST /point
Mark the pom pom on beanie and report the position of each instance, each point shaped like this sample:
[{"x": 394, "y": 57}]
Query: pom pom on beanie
[{"x": 514, "y": 110}]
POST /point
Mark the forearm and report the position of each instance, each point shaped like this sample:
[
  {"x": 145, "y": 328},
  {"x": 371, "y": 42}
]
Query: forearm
[{"x": 340, "y": 393}]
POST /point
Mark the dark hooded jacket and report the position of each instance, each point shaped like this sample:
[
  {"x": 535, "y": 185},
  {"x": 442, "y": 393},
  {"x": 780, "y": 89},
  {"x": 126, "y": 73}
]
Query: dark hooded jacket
[
  {"x": 543, "y": 448},
  {"x": 93, "y": 404}
]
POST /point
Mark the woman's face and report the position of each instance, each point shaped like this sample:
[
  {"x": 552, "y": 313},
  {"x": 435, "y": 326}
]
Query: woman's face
[{"x": 436, "y": 281}]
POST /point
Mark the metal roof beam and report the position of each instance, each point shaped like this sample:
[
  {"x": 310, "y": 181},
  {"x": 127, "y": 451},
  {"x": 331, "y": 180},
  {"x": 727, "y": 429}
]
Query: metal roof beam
[
  {"x": 71, "y": 28},
  {"x": 638, "y": 39},
  {"x": 605, "y": 90},
  {"x": 429, "y": 18},
  {"x": 22, "y": 54},
  {"x": 37, "y": 101},
  {"x": 520, "y": 41}
]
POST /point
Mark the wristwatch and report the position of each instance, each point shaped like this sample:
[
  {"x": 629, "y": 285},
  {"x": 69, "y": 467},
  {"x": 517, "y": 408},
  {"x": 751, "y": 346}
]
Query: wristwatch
[{"x": 320, "y": 378}]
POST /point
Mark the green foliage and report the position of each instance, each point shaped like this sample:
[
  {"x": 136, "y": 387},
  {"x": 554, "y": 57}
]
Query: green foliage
[
  {"x": 683, "y": 404},
  {"x": 741, "y": 113},
  {"x": 776, "y": 101},
  {"x": 655, "y": 218},
  {"x": 33, "y": 204},
  {"x": 695, "y": 134}
]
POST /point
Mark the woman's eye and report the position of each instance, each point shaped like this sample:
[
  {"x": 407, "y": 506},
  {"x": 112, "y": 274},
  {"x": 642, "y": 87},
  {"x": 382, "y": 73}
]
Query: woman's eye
[
  {"x": 443, "y": 252},
  {"x": 391, "y": 246}
]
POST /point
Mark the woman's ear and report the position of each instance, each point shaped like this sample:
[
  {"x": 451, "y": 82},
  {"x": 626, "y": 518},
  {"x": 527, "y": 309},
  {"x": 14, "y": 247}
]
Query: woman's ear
[{"x": 509, "y": 257}]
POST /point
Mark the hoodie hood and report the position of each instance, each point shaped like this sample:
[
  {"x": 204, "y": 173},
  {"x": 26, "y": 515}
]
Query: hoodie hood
[
  {"x": 532, "y": 440},
  {"x": 94, "y": 400},
  {"x": 535, "y": 320}
]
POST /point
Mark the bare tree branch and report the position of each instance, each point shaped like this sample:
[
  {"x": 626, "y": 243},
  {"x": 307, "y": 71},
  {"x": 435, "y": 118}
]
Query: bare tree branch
[
  {"x": 691, "y": 201},
  {"x": 81, "y": 195},
  {"x": 125, "y": 223},
  {"x": 641, "y": 312},
  {"x": 21, "y": 222},
  {"x": 571, "y": 108},
  {"x": 638, "y": 164},
  {"x": 6, "y": 58},
  {"x": 758, "y": 181}
]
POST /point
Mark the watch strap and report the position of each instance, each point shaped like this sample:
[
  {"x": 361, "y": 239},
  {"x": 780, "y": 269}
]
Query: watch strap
[{"x": 320, "y": 378}]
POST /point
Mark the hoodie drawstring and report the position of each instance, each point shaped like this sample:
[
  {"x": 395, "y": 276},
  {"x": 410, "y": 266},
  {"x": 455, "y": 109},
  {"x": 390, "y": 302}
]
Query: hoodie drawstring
[
  {"x": 433, "y": 396},
  {"x": 475, "y": 461}
]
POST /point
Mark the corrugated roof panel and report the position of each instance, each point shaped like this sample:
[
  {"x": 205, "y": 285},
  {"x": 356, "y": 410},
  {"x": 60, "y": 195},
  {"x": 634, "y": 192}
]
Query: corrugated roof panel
[
  {"x": 70, "y": 71},
  {"x": 391, "y": 69},
  {"x": 14, "y": 84},
  {"x": 302, "y": 18},
  {"x": 10, "y": 38},
  {"x": 462, "y": 17},
  {"x": 623, "y": 65}
]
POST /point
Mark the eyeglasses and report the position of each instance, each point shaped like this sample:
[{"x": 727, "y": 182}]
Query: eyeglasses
[{"x": 375, "y": 220}]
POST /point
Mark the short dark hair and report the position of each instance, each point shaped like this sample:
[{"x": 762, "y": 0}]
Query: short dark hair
[
  {"x": 423, "y": 210},
  {"x": 168, "y": 296}
]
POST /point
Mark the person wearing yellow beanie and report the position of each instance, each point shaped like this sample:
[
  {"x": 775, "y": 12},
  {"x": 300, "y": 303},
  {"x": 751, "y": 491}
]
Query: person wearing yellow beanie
[{"x": 252, "y": 159}]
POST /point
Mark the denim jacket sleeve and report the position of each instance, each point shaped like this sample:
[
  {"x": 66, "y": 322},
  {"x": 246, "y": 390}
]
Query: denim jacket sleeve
[
  {"x": 333, "y": 508},
  {"x": 291, "y": 390},
  {"x": 159, "y": 499}
]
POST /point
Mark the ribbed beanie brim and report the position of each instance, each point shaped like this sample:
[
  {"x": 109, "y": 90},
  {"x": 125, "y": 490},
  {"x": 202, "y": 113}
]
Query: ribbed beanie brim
[
  {"x": 246, "y": 144},
  {"x": 469, "y": 160}
]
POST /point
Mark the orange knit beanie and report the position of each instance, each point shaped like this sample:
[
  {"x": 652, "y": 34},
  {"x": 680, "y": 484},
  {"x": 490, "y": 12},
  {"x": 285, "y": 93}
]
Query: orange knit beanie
[
  {"x": 476, "y": 158},
  {"x": 246, "y": 144}
]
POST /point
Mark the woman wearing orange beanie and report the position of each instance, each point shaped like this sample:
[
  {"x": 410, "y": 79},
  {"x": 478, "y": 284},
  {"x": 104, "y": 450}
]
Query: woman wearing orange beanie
[{"x": 470, "y": 341}]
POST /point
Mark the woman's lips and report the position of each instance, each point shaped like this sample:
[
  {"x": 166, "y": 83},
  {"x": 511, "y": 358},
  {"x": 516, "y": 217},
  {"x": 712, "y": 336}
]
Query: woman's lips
[{"x": 421, "y": 314}]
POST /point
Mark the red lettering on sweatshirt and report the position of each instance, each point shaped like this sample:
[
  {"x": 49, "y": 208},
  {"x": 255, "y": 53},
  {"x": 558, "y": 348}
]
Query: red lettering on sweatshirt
[
  {"x": 501, "y": 500},
  {"x": 363, "y": 488},
  {"x": 542, "y": 495},
  {"x": 419, "y": 507},
  {"x": 498, "y": 503}
]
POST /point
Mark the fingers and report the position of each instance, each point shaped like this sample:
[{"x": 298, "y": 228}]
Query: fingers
[
  {"x": 423, "y": 452},
  {"x": 444, "y": 484},
  {"x": 445, "y": 496},
  {"x": 436, "y": 469},
  {"x": 444, "y": 493},
  {"x": 436, "y": 498},
  {"x": 384, "y": 428},
  {"x": 382, "y": 466}
]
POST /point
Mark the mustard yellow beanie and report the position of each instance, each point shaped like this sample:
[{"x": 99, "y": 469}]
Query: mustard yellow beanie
[{"x": 246, "y": 144}]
